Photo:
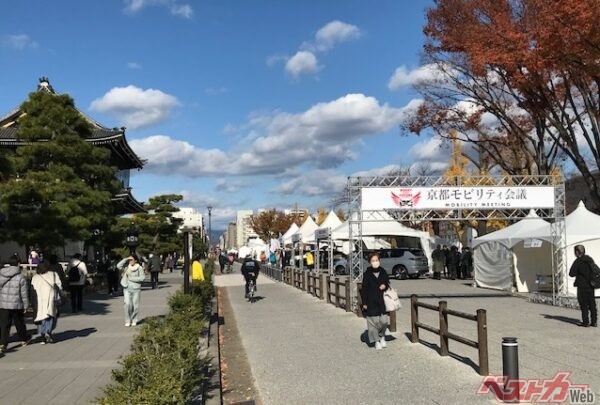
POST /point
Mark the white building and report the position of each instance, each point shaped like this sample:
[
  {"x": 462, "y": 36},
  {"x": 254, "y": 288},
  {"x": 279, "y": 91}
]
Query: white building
[
  {"x": 191, "y": 218},
  {"x": 243, "y": 227}
]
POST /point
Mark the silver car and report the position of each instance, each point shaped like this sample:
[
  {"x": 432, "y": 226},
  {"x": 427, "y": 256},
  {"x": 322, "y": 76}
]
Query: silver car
[{"x": 400, "y": 263}]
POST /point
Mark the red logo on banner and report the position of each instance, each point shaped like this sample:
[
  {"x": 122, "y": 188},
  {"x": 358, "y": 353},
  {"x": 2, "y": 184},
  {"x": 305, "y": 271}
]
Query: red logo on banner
[{"x": 406, "y": 198}]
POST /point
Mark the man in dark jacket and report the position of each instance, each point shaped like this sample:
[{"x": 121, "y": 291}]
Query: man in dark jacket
[
  {"x": 453, "y": 262},
  {"x": 466, "y": 263},
  {"x": 250, "y": 269},
  {"x": 222, "y": 261},
  {"x": 582, "y": 271},
  {"x": 14, "y": 300},
  {"x": 154, "y": 266}
]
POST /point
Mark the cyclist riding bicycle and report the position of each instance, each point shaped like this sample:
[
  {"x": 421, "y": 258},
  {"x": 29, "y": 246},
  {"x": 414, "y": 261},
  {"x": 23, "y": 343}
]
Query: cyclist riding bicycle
[{"x": 250, "y": 269}]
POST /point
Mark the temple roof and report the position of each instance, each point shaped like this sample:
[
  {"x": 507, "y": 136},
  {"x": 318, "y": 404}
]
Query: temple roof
[
  {"x": 114, "y": 138},
  {"x": 127, "y": 204}
]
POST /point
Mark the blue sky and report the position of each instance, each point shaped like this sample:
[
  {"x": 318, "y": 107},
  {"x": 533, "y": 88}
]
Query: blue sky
[{"x": 296, "y": 93}]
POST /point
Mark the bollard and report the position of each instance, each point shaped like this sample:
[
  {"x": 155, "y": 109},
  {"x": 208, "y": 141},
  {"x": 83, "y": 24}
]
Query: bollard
[
  {"x": 414, "y": 318},
  {"x": 510, "y": 364},
  {"x": 443, "y": 306}
]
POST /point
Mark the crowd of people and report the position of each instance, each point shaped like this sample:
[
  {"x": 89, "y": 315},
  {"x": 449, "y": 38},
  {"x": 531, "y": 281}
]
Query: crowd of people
[
  {"x": 451, "y": 263},
  {"x": 46, "y": 291}
]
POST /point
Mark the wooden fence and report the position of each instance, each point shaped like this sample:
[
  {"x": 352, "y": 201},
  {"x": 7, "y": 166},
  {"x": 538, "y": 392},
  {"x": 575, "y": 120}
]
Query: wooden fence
[
  {"x": 314, "y": 285},
  {"x": 442, "y": 308},
  {"x": 334, "y": 296}
]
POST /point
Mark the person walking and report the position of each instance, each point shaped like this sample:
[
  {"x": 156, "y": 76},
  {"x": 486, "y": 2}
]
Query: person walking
[
  {"x": 197, "y": 270},
  {"x": 439, "y": 262},
  {"x": 222, "y": 261},
  {"x": 58, "y": 269},
  {"x": 14, "y": 300},
  {"x": 446, "y": 255},
  {"x": 582, "y": 269},
  {"x": 131, "y": 281},
  {"x": 112, "y": 275},
  {"x": 154, "y": 267},
  {"x": 77, "y": 274},
  {"x": 250, "y": 270},
  {"x": 47, "y": 286},
  {"x": 375, "y": 282}
]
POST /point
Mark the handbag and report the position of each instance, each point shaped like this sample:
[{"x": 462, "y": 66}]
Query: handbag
[
  {"x": 58, "y": 293},
  {"x": 124, "y": 280},
  {"x": 391, "y": 300}
]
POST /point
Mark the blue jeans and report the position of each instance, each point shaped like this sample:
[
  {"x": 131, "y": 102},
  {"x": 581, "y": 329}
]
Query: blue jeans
[
  {"x": 132, "y": 304},
  {"x": 46, "y": 326}
]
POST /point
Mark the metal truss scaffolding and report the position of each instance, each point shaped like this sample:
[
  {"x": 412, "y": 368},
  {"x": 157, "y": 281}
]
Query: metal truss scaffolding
[{"x": 555, "y": 215}]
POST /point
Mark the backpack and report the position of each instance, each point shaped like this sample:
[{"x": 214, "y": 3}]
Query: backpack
[
  {"x": 74, "y": 275},
  {"x": 595, "y": 273}
]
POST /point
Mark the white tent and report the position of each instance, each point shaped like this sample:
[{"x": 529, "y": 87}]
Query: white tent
[
  {"x": 503, "y": 256},
  {"x": 307, "y": 229},
  {"x": 379, "y": 223},
  {"x": 287, "y": 237},
  {"x": 516, "y": 254},
  {"x": 332, "y": 221},
  {"x": 583, "y": 228}
]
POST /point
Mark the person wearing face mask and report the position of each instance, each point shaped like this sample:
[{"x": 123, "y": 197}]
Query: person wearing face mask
[{"x": 375, "y": 282}]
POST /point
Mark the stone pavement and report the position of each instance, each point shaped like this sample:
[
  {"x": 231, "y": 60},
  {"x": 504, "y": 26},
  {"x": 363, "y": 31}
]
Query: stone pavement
[{"x": 87, "y": 348}]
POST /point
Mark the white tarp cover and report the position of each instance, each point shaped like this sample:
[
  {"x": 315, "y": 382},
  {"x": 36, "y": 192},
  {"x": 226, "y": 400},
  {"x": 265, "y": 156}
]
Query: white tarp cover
[
  {"x": 500, "y": 260},
  {"x": 332, "y": 221},
  {"x": 287, "y": 237}
]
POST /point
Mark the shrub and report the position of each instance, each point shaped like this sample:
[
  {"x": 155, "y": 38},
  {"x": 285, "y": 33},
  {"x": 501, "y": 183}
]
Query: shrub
[{"x": 164, "y": 366}]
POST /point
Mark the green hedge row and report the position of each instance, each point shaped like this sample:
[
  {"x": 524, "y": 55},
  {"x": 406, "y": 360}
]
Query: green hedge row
[{"x": 164, "y": 366}]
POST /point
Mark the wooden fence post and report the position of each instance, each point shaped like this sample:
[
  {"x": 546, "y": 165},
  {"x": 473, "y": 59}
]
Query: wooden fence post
[
  {"x": 443, "y": 328},
  {"x": 327, "y": 284},
  {"x": 392, "y": 315},
  {"x": 321, "y": 286},
  {"x": 482, "y": 341},
  {"x": 337, "y": 292},
  {"x": 347, "y": 287},
  {"x": 304, "y": 281},
  {"x": 414, "y": 318}
]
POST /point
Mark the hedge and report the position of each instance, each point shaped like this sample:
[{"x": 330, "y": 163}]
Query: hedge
[{"x": 164, "y": 366}]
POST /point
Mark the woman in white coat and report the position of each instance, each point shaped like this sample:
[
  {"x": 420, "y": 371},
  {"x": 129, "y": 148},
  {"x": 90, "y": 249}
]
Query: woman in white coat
[
  {"x": 131, "y": 281},
  {"x": 47, "y": 286}
]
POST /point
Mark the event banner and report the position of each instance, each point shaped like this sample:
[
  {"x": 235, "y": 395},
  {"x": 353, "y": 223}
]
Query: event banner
[{"x": 423, "y": 198}]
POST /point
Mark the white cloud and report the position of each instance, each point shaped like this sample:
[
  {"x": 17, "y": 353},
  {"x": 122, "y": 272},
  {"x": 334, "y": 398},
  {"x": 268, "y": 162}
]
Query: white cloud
[
  {"x": 377, "y": 171},
  {"x": 432, "y": 152},
  {"x": 173, "y": 6},
  {"x": 230, "y": 186},
  {"x": 18, "y": 41},
  {"x": 303, "y": 62},
  {"x": 324, "y": 136},
  {"x": 333, "y": 33},
  {"x": 134, "y": 65},
  {"x": 403, "y": 77},
  {"x": 320, "y": 183},
  {"x": 135, "y": 107}
]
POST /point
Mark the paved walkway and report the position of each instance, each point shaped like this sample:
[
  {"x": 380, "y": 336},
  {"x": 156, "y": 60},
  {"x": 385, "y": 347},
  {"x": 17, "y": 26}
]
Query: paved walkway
[
  {"x": 87, "y": 348},
  {"x": 302, "y": 350}
]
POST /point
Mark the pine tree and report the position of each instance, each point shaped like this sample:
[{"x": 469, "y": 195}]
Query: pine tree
[{"x": 61, "y": 185}]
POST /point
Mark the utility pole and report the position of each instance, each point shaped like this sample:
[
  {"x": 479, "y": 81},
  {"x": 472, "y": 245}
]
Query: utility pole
[{"x": 209, "y": 224}]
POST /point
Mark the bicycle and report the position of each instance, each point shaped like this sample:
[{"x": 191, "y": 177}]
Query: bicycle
[{"x": 251, "y": 290}]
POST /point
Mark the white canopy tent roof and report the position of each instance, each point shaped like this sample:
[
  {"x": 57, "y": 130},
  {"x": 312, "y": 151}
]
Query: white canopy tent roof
[
  {"x": 582, "y": 225},
  {"x": 377, "y": 223},
  {"x": 287, "y": 237},
  {"x": 307, "y": 230},
  {"x": 530, "y": 227},
  {"x": 332, "y": 221}
]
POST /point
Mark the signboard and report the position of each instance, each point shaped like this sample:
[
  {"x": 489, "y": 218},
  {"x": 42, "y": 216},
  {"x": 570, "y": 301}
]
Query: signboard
[
  {"x": 456, "y": 197},
  {"x": 296, "y": 238},
  {"x": 322, "y": 233},
  {"x": 532, "y": 243}
]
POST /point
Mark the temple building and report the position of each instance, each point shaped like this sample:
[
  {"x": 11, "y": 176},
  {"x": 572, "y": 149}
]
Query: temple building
[{"x": 122, "y": 156}]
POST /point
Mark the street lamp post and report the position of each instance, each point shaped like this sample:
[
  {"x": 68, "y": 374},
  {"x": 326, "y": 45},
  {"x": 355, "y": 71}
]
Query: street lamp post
[
  {"x": 209, "y": 223},
  {"x": 132, "y": 238}
]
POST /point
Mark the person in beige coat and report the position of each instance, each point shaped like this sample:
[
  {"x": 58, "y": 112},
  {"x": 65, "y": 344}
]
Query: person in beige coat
[{"x": 47, "y": 286}]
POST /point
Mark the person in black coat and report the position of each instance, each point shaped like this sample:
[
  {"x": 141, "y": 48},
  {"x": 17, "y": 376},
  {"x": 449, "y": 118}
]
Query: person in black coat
[
  {"x": 582, "y": 271},
  {"x": 453, "y": 262},
  {"x": 375, "y": 282},
  {"x": 466, "y": 263}
]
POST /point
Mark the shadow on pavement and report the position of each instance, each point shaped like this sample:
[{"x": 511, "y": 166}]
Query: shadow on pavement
[
  {"x": 257, "y": 298},
  {"x": 72, "y": 334},
  {"x": 560, "y": 318},
  {"x": 462, "y": 359}
]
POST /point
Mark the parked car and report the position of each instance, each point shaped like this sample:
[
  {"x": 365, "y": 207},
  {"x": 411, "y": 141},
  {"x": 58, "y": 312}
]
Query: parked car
[{"x": 400, "y": 263}]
